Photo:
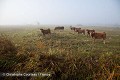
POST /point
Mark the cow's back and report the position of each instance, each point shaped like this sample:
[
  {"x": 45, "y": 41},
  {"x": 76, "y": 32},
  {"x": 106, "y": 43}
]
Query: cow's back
[{"x": 98, "y": 35}]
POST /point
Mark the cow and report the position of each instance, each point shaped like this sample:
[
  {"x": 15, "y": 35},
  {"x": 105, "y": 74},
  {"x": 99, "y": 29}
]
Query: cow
[
  {"x": 89, "y": 32},
  {"x": 77, "y": 29},
  {"x": 72, "y": 28},
  {"x": 82, "y": 31},
  {"x": 102, "y": 35},
  {"x": 59, "y": 28},
  {"x": 44, "y": 32}
]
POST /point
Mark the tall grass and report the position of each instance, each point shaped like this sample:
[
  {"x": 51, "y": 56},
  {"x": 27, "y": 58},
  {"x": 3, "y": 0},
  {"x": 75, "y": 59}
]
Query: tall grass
[{"x": 66, "y": 55}]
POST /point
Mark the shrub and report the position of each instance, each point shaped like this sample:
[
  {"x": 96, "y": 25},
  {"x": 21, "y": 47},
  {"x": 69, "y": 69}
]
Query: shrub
[{"x": 6, "y": 46}]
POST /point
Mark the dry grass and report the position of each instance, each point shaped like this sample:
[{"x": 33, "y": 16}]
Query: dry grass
[{"x": 65, "y": 54}]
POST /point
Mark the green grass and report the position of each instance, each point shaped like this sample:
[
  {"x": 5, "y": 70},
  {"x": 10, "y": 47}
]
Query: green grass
[{"x": 73, "y": 55}]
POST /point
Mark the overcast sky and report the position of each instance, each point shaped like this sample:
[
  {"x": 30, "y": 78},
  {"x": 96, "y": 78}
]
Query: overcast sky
[{"x": 20, "y": 12}]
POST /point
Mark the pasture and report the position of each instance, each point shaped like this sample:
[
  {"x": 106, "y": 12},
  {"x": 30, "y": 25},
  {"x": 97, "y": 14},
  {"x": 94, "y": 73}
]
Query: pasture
[{"x": 65, "y": 54}]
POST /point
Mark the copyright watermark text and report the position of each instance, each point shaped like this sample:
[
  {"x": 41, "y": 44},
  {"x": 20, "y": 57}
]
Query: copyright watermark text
[{"x": 25, "y": 74}]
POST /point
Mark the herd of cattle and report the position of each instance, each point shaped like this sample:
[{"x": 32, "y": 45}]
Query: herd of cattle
[{"x": 92, "y": 33}]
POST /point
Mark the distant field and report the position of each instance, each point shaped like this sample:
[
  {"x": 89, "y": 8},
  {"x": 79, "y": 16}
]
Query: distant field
[{"x": 68, "y": 54}]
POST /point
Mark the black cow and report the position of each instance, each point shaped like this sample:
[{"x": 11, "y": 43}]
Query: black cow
[{"x": 59, "y": 28}]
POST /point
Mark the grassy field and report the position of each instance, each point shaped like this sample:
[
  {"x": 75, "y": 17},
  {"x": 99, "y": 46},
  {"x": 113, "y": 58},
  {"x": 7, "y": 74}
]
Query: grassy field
[{"x": 65, "y": 54}]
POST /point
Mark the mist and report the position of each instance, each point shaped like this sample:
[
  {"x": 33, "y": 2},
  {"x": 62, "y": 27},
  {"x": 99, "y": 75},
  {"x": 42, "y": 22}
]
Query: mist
[{"x": 59, "y": 12}]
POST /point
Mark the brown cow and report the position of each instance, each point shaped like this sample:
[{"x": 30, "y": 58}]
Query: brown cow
[
  {"x": 77, "y": 29},
  {"x": 82, "y": 31},
  {"x": 47, "y": 31},
  {"x": 95, "y": 35},
  {"x": 72, "y": 28},
  {"x": 89, "y": 32}
]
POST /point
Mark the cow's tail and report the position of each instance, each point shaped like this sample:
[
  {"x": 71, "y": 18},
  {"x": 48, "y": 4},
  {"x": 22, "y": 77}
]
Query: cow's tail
[
  {"x": 49, "y": 30},
  {"x": 104, "y": 35}
]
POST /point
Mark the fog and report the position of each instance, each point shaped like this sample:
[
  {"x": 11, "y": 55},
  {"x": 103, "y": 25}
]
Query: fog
[{"x": 59, "y": 12}]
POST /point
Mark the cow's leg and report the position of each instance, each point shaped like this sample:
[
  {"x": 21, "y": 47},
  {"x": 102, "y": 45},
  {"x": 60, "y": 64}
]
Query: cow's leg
[
  {"x": 84, "y": 33},
  {"x": 93, "y": 40},
  {"x": 49, "y": 33},
  {"x": 43, "y": 34},
  {"x": 104, "y": 41},
  {"x": 88, "y": 35}
]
